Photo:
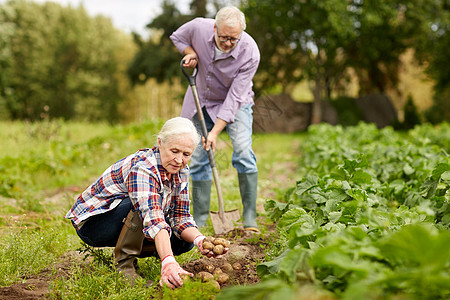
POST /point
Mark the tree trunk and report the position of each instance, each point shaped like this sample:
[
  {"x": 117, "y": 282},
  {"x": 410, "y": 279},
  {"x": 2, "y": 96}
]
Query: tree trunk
[{"x": 316, "y": 117}]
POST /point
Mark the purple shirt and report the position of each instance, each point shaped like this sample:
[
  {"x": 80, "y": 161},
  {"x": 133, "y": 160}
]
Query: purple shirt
[{"x": 224, "y": 83}]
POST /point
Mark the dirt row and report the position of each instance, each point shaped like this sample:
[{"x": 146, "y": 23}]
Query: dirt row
[{"x": 246, "y": 250}]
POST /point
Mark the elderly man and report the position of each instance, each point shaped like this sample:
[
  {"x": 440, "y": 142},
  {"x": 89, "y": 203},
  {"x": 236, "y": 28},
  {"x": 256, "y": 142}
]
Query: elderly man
[{"x": 227, "y": 60}]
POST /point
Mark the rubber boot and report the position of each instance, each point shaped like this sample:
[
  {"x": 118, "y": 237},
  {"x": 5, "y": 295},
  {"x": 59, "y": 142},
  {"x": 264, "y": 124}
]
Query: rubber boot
[
  {"x": 248, "y": 187},
  {"x": 201, "y": 193},
  {"x": 148, "y": 250},
  {"x": 129, "y": 246}
]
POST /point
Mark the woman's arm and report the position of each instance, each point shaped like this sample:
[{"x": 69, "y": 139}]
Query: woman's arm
[
  {"x": 189, "y": 234},
  {"x": 170, "y": 269},
  {"x": 162, "y": 242}
]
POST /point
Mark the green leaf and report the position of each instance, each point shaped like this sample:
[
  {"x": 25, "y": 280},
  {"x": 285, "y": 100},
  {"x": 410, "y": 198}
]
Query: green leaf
[
  {"x": 271, "y": 267},
  {"x": 275, "y": 209},
  {"x": 295, "y": 216},
  {"x": 269, "y": 289},
  {"x": 439, "y": 170},
  {"x": 430, "y": 186},
  {"x": 408, "y": 170},
  {"x": 446, "y": 176},
  {"x": 295, "y": 265},
  {"x": 360, "y": 177},
  {"x": 418, "y": 246},
  {"x": 335, "y": 256},
  {"x": 309, "y": 183},
  {"x": 358, "y": 194}
]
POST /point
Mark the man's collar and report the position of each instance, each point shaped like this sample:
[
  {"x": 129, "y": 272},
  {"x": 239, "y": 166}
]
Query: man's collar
[{"x": 234, "y": 52}]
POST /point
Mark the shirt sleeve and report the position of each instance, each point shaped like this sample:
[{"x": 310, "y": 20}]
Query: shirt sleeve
[
  {"x": 144, "y": 191},
  {"x": 182, "y": 218},
  {"x": 182, "y": 37}
]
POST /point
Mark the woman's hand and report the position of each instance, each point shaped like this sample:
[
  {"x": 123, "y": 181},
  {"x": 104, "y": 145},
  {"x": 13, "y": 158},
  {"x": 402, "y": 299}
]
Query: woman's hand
[
  {"x": 198, "y": 242},
  {"x": 170, "y": 273}
]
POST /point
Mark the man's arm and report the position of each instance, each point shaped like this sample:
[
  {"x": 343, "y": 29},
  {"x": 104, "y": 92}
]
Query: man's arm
[{"x": 213, "y": 134}]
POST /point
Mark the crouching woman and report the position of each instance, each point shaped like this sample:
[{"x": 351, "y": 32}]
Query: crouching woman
[{"x": 140, "y": 205}]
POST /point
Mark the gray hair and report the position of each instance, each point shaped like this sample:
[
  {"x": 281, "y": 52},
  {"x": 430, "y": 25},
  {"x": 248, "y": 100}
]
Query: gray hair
[
  {"x": 177, "y": 126},
  {"x": 231, "y": 16}
]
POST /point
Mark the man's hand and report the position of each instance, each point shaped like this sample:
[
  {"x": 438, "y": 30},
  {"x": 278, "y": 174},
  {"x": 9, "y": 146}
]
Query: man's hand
[
  {"x": 210, "y": 143},
  {"x": 190, "y": 60},
  {"x": 213, "y": 134},
  {"x": 170, "y": 273}
]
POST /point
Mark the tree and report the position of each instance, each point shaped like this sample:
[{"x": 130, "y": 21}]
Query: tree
[
  {"x": 6, "y": 36},
  {"x": 433, "y": 50},
  {"x": 300, "y": 40},
  {"x": 58, "y": 58},
  {"x": 157, "y": 58},
  {"x": 320, "y": 40}
]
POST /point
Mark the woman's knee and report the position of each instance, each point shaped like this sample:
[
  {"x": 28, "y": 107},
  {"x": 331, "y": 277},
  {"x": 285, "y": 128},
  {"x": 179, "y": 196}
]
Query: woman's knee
[{"x": 180, "y": 246}]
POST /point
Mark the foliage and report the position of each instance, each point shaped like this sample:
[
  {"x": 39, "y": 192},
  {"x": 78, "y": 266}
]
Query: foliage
[
  {"x": 308, "y": 33},
  {"x": 99, "y": 255},
  {"x": 156, "y": 58},
  {"x": 440, "y": 110},
  {"x": 370, "y": 218},
  {"x": 57, "y": 61},
  {"x": 432, "y": 46},
  {"x": 411, "y": 116},
  {"x": 349, "y": 114},
  {"x": 321, "y": 41}
]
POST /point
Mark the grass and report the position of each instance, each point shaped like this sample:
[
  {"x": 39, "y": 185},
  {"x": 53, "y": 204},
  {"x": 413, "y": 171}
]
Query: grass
[
  {"x": 43, "y": 166},
  {"x": 26, "y": 251}
]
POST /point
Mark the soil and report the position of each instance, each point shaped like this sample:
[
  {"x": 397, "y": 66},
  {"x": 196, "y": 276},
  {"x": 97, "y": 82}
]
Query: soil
[
  {"x": 37, "y": 286},
  {"x": 246, "y": 249}
]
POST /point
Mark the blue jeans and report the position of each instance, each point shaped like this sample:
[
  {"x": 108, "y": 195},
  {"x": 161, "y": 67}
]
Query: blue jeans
[
  {"x": 103, "y": 230},
  {"x": 240, "y": 132}
]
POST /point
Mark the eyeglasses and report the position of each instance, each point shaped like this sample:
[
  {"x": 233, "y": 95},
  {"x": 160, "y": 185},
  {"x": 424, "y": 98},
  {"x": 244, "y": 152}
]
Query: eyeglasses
[{"x": 226, "y": 38}]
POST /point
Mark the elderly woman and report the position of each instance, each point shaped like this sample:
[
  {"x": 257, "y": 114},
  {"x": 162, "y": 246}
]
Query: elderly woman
[{"x": 140, "y": 205}]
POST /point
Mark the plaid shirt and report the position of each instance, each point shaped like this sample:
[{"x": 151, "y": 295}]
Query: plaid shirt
[{"x": 162, "y": 203}]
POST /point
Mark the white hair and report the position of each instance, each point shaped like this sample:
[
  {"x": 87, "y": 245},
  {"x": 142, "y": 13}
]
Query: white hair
[
  {"x": 176, "y": 127},
  {"x": 231, "y": 16}
]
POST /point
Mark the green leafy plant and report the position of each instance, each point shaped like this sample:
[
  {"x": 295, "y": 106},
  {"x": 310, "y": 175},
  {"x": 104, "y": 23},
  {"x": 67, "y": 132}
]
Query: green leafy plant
[{"x": 368, "y": 219}]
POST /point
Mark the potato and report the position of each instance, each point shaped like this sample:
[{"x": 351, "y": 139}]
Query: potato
[
  {"x": 222, "y": 278},
  {"x": 209, "y": 239},
  {"x": 205, "y": 276},
  {"x": 215, "y": 284},
  {"x": 185, "y": 277},
  {"x": 237, "y": 266},
  {"x": 218, "y": 249},
  {"x": 227, "y": 267},
  {"x": 209, "y": 268},
  {"x": 221, "y": 241},
  {"x": 217, "y": 272},
  {"x": 208, "y": 245}
]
